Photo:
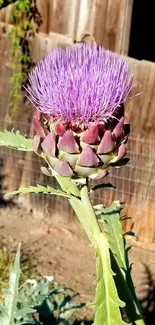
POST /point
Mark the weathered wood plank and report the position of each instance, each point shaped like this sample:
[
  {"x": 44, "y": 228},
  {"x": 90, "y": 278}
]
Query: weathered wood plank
[
  {"x": 140, "y": 110},
  {"x": 63, "y": 15},
  {"x": 108, "y": 21},
  {"x": 42, "y": 44},
  {"x": 5, "y": 14},
  {"x": 126, "y": 27},
  {"x": 43, "y": 7}
]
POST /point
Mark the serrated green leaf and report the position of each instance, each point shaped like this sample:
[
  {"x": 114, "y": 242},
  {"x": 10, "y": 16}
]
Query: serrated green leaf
[
  {"x": 98, "y": 207},
  {"x": 15, "y": 140},
  {"x": 3, "y": 315},
  {"x": 7, "y": 312},
  {"x": 107, "y": 302},
  {"x": 39, "y": 189},
  {"x": 112, "y": 226},
  {"x": 24, "y": 311},
  {"x": 67, "y": 313}
]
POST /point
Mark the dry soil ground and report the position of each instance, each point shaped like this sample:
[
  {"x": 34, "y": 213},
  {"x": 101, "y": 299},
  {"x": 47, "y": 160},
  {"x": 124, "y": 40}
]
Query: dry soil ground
[{"x": 58, "y": 246}]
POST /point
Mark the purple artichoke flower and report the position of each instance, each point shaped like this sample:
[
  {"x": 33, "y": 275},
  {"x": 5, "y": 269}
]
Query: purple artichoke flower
[{"x": 78, "y": 93}]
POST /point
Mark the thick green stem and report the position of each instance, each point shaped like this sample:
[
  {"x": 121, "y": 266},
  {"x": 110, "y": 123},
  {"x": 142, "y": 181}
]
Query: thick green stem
[
  {"x": 81, "y": 204},
  {"x": 67, "y": 185},
  {"x": 132, "y": 308},
  {"x": 85, "y": 212}
]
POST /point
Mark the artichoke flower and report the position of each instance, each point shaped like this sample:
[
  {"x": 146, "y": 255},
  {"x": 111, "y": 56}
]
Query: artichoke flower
[{"x": 78, "y": 93}]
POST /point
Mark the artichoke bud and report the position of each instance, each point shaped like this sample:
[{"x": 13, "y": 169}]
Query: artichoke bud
[{"x": 71, "y": 150}]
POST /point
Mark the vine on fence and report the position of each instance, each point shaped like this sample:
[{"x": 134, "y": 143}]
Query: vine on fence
[{"x": 26, "y": 20}]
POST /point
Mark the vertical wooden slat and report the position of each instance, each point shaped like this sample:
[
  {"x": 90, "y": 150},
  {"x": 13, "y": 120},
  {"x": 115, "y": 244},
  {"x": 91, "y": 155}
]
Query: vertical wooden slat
[
  {"x": 126, "y": 27},
  {"x": 63, "y": 15},
  {"x": 13, "y": 164},
  {"x": 5, "y": 70},
  {"x": 109, "y": 29},
  {"x": 143, "y": 115},
  {"x": 43, "y": 7},
  {"x": 108, "y": 21},
  {"x": 5, "y": 14},
  {"x": 86, "y": 18}
]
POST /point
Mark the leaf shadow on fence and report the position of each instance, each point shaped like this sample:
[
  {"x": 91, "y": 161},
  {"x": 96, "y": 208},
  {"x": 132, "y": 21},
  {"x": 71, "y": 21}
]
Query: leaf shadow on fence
[{"x": 148, "y": 303}]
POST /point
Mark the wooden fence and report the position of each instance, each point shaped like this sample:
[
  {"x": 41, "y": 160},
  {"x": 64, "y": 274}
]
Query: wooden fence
[{"x": 109, "y": 23}]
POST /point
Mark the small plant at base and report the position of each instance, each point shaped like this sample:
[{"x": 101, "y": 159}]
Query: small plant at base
[
  {"x": 36, "y": 302},
  {"x": 6, "y": 262}
]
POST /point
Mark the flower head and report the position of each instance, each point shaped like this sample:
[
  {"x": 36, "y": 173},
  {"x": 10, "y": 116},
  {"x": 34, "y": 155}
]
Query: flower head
[
  {"x": 80, "y": 83},
  {"x": 76, "y": 91}
]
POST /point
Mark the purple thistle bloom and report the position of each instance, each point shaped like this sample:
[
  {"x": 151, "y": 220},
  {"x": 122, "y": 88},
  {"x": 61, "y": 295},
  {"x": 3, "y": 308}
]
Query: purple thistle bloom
[{"x": 81, "y": 83}]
